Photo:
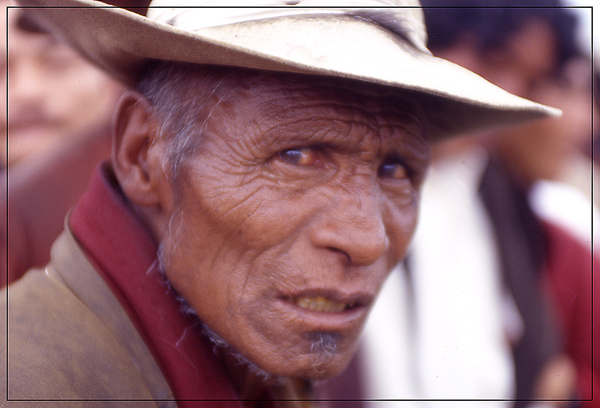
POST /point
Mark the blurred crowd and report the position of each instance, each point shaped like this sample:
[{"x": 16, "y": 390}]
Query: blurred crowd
[
  {"x": 54, "y": 133},
  {"x": 494, "y": 302}
]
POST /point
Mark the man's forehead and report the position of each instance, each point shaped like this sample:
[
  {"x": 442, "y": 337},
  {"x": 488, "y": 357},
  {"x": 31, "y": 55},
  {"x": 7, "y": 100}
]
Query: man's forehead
[
  {"x": 296, "y": 87},
  {"x": 226, "y": 98},
  {"x": 276, "y": 90},
  {"x": 313, "y": 112},
  {"x": 277, "y": 99}
]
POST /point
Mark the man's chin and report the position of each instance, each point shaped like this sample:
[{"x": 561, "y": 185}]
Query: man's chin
[
  {"x": 322, "y": 371},
  {"x": 327, "y": 369},
  {"x": 326, "y": 355},
  {"x": 314, "y": 368}
]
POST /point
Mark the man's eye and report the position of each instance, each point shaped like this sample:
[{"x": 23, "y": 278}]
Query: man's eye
[
  {"x": 393, "y": 169},
  {"x": 301, "y": 156}
]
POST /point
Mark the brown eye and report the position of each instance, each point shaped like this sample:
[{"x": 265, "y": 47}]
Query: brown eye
[
  {"x": 392, "y": 169},
  {"x": 302, "y": 156}
]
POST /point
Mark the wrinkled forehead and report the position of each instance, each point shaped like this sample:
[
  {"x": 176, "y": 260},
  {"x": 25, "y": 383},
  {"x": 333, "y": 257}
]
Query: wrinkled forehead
[
  {"x": 226, "y": 101},
  {"x": 346, "y": 100},
  {"x": 281, "y": 97},
  {"x": 288, "y": 112}
]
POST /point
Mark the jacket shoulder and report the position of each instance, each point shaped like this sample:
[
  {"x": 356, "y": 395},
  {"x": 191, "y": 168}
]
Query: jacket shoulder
[{"x": 56, "y": 348}]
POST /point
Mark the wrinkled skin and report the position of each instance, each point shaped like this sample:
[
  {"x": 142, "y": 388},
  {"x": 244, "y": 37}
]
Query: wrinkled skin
[{"x": 297, "y": 190}]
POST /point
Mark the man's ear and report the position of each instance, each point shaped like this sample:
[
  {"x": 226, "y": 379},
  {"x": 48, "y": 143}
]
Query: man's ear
[{"x": 138, "y": 153}]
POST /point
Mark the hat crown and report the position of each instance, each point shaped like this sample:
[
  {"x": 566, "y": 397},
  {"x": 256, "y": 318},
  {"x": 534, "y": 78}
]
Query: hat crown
[{"x": 403, "y": 17}]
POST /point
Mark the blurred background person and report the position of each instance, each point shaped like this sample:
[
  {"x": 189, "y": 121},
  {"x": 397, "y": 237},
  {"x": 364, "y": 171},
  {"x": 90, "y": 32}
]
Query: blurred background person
[
  {"x": 500, "y": 308},
  {"x": 58, "y": 124},
  {"x": 53, "y": 95}
]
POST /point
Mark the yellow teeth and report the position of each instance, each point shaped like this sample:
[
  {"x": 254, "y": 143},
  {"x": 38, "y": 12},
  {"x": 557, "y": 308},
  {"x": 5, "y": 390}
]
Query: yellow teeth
[{"x": 320, "y": 304}]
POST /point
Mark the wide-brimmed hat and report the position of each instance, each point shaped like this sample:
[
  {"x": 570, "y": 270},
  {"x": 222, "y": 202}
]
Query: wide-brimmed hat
[{"x": 374, "y": 41}]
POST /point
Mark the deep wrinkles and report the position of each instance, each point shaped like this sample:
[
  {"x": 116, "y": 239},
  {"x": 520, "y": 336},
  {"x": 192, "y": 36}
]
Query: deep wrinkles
[{"x": 346, "y": 103}]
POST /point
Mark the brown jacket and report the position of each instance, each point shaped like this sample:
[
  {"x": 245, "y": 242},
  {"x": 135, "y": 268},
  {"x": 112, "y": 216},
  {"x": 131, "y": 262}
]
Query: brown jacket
[{"x": 70, "y": 342}]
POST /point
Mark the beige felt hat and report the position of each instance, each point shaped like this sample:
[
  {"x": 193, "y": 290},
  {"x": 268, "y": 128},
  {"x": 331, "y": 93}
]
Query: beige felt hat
[{"x": 375, "y": 41}]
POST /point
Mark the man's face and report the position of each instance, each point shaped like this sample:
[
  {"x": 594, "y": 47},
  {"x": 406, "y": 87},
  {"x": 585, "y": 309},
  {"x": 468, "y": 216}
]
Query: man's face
[{"x": 289, "y": 218}]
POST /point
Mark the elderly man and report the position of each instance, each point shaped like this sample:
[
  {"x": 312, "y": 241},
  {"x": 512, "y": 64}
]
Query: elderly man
[{"x": 264, "y": 181}]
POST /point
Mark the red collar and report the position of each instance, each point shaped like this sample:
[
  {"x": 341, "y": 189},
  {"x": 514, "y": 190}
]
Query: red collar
[{"x": 124, "y": 254}]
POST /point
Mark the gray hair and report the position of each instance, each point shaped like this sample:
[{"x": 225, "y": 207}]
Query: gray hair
[{"x": 183, "y": 97}]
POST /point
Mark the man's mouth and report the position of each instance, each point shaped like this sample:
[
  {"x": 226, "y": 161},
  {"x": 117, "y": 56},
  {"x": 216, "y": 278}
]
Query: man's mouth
[{"x": 320, "y": 304}]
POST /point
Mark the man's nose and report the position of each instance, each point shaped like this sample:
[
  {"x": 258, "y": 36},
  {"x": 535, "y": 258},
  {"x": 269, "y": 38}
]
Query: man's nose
[{"x": 354, "y": 226}]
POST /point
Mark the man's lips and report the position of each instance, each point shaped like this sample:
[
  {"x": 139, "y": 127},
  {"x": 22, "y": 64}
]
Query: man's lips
[
  {"x": 319, "y": 304},
  {"x": 328, "y": 302}
]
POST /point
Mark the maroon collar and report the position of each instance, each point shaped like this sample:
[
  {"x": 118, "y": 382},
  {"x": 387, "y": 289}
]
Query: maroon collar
[{"x": 124, "y": 254}]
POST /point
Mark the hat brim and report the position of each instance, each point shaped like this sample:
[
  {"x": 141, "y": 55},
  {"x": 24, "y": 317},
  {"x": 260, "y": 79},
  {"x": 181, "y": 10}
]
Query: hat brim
[{"x": 455, "y": 100}]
